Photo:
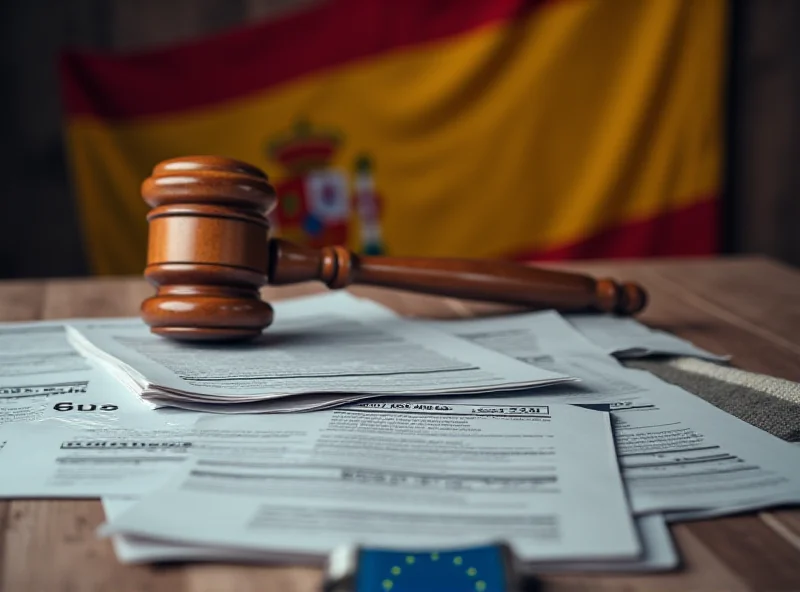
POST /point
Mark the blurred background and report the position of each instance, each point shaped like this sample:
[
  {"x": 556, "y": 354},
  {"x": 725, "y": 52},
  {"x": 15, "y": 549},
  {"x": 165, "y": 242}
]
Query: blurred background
[{"x": 529, "y": 130}]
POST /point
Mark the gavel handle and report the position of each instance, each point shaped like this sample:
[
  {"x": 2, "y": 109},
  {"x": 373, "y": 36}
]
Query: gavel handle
[{"x": 493, "y": 281}]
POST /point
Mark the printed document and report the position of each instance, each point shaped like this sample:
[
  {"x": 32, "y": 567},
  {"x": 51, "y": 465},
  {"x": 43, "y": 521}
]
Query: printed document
[
  {"x": 40, "y": 351},
  {"x": 44, "y": 380},
  {"x": 103, "y": 461},
  {"x": 677, "y": 451},
  {"x": 416, "y": 476},
  {"x": 321, "y": 350},
  {"x": 624, "y": 337},
  {"x": 658, "y": 550}
]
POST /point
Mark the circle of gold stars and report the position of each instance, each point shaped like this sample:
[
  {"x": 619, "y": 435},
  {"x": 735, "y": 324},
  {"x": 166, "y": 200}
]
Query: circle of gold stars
[{"x": 396, "y": 570}]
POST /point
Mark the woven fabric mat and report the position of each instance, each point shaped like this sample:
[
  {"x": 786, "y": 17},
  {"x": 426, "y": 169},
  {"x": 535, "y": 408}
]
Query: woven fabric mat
[{"x": 769, "y": 403}]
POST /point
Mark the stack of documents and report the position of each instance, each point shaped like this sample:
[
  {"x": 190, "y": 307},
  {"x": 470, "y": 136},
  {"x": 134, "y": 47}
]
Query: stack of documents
[
  {"x": 426, "y": 434},
  {"x": 320, "y": 353}
]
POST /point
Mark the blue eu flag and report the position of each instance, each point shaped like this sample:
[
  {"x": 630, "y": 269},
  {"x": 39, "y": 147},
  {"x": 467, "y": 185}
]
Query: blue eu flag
[{"x": 476, "y": 569}]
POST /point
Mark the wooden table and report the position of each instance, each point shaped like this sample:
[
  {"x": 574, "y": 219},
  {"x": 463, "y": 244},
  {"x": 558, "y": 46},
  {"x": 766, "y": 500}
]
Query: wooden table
[{"x": 749, "y": 308}]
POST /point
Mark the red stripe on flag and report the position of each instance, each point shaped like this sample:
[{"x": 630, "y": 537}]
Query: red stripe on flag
[
  {"x": 685, "y": 232},
  {"x": 255, "y": 57}
]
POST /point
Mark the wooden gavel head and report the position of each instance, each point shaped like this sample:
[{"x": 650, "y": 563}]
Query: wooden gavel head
[{"x": 209, "y": 253}]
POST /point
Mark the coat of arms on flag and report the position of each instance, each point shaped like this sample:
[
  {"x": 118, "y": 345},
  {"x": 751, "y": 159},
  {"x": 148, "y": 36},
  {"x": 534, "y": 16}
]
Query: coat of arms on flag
[{"x": 319, "y": 203}]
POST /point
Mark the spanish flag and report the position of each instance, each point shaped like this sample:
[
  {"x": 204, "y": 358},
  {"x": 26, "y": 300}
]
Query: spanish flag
[{"x": 479, "y": 128}]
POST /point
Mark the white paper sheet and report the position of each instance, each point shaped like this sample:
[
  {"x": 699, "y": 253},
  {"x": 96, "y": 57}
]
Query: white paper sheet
[
  {"x": 625, "y": 337},
  {"x": 51, "y": 397},
  {"x": 38, "y": 371},
  {"x": 406, "y": 479},
  {"x": 44, "y": 380},
  {"x": 40, "y": 351},
  {"x": 678, "y": 452},
  {"x": 325, "y": 348},
  {"x": 658, "y": 554}
]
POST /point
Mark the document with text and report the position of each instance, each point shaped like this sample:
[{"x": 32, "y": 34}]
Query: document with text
[
  {"x": 677, "y": 451},
  {"x": 37, "y": 351},
  {"x": 320, "y": 350},
  {"x": 43, "y": 379},
  {"x": 658, "y": 550},
  {"x": 439, "y": 476},
  {"x": 625, "y": 337}
]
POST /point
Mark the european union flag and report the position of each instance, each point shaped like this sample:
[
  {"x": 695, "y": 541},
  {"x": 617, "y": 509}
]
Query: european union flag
[{"x": 476, "y": 569}]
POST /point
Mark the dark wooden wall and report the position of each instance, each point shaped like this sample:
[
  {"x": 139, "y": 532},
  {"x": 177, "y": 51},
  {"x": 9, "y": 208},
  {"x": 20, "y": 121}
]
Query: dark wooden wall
[
  {"x": 764, "y": 165},
  {"x": 39, "y": 229}
]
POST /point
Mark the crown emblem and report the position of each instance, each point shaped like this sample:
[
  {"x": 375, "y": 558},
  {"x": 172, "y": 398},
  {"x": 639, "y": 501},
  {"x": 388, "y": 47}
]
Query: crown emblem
[{"x": 305, "y": 148}]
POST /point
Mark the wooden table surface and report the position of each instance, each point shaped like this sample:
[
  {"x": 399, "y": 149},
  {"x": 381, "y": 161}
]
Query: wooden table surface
[{"x": 747, "y": 307}]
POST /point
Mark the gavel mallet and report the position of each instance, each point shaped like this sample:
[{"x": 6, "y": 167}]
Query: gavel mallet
[{"x": 209, "y": 253}]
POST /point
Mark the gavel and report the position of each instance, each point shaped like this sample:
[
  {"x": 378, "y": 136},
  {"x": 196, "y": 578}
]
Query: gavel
[{"x": 209, "y": 253}]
